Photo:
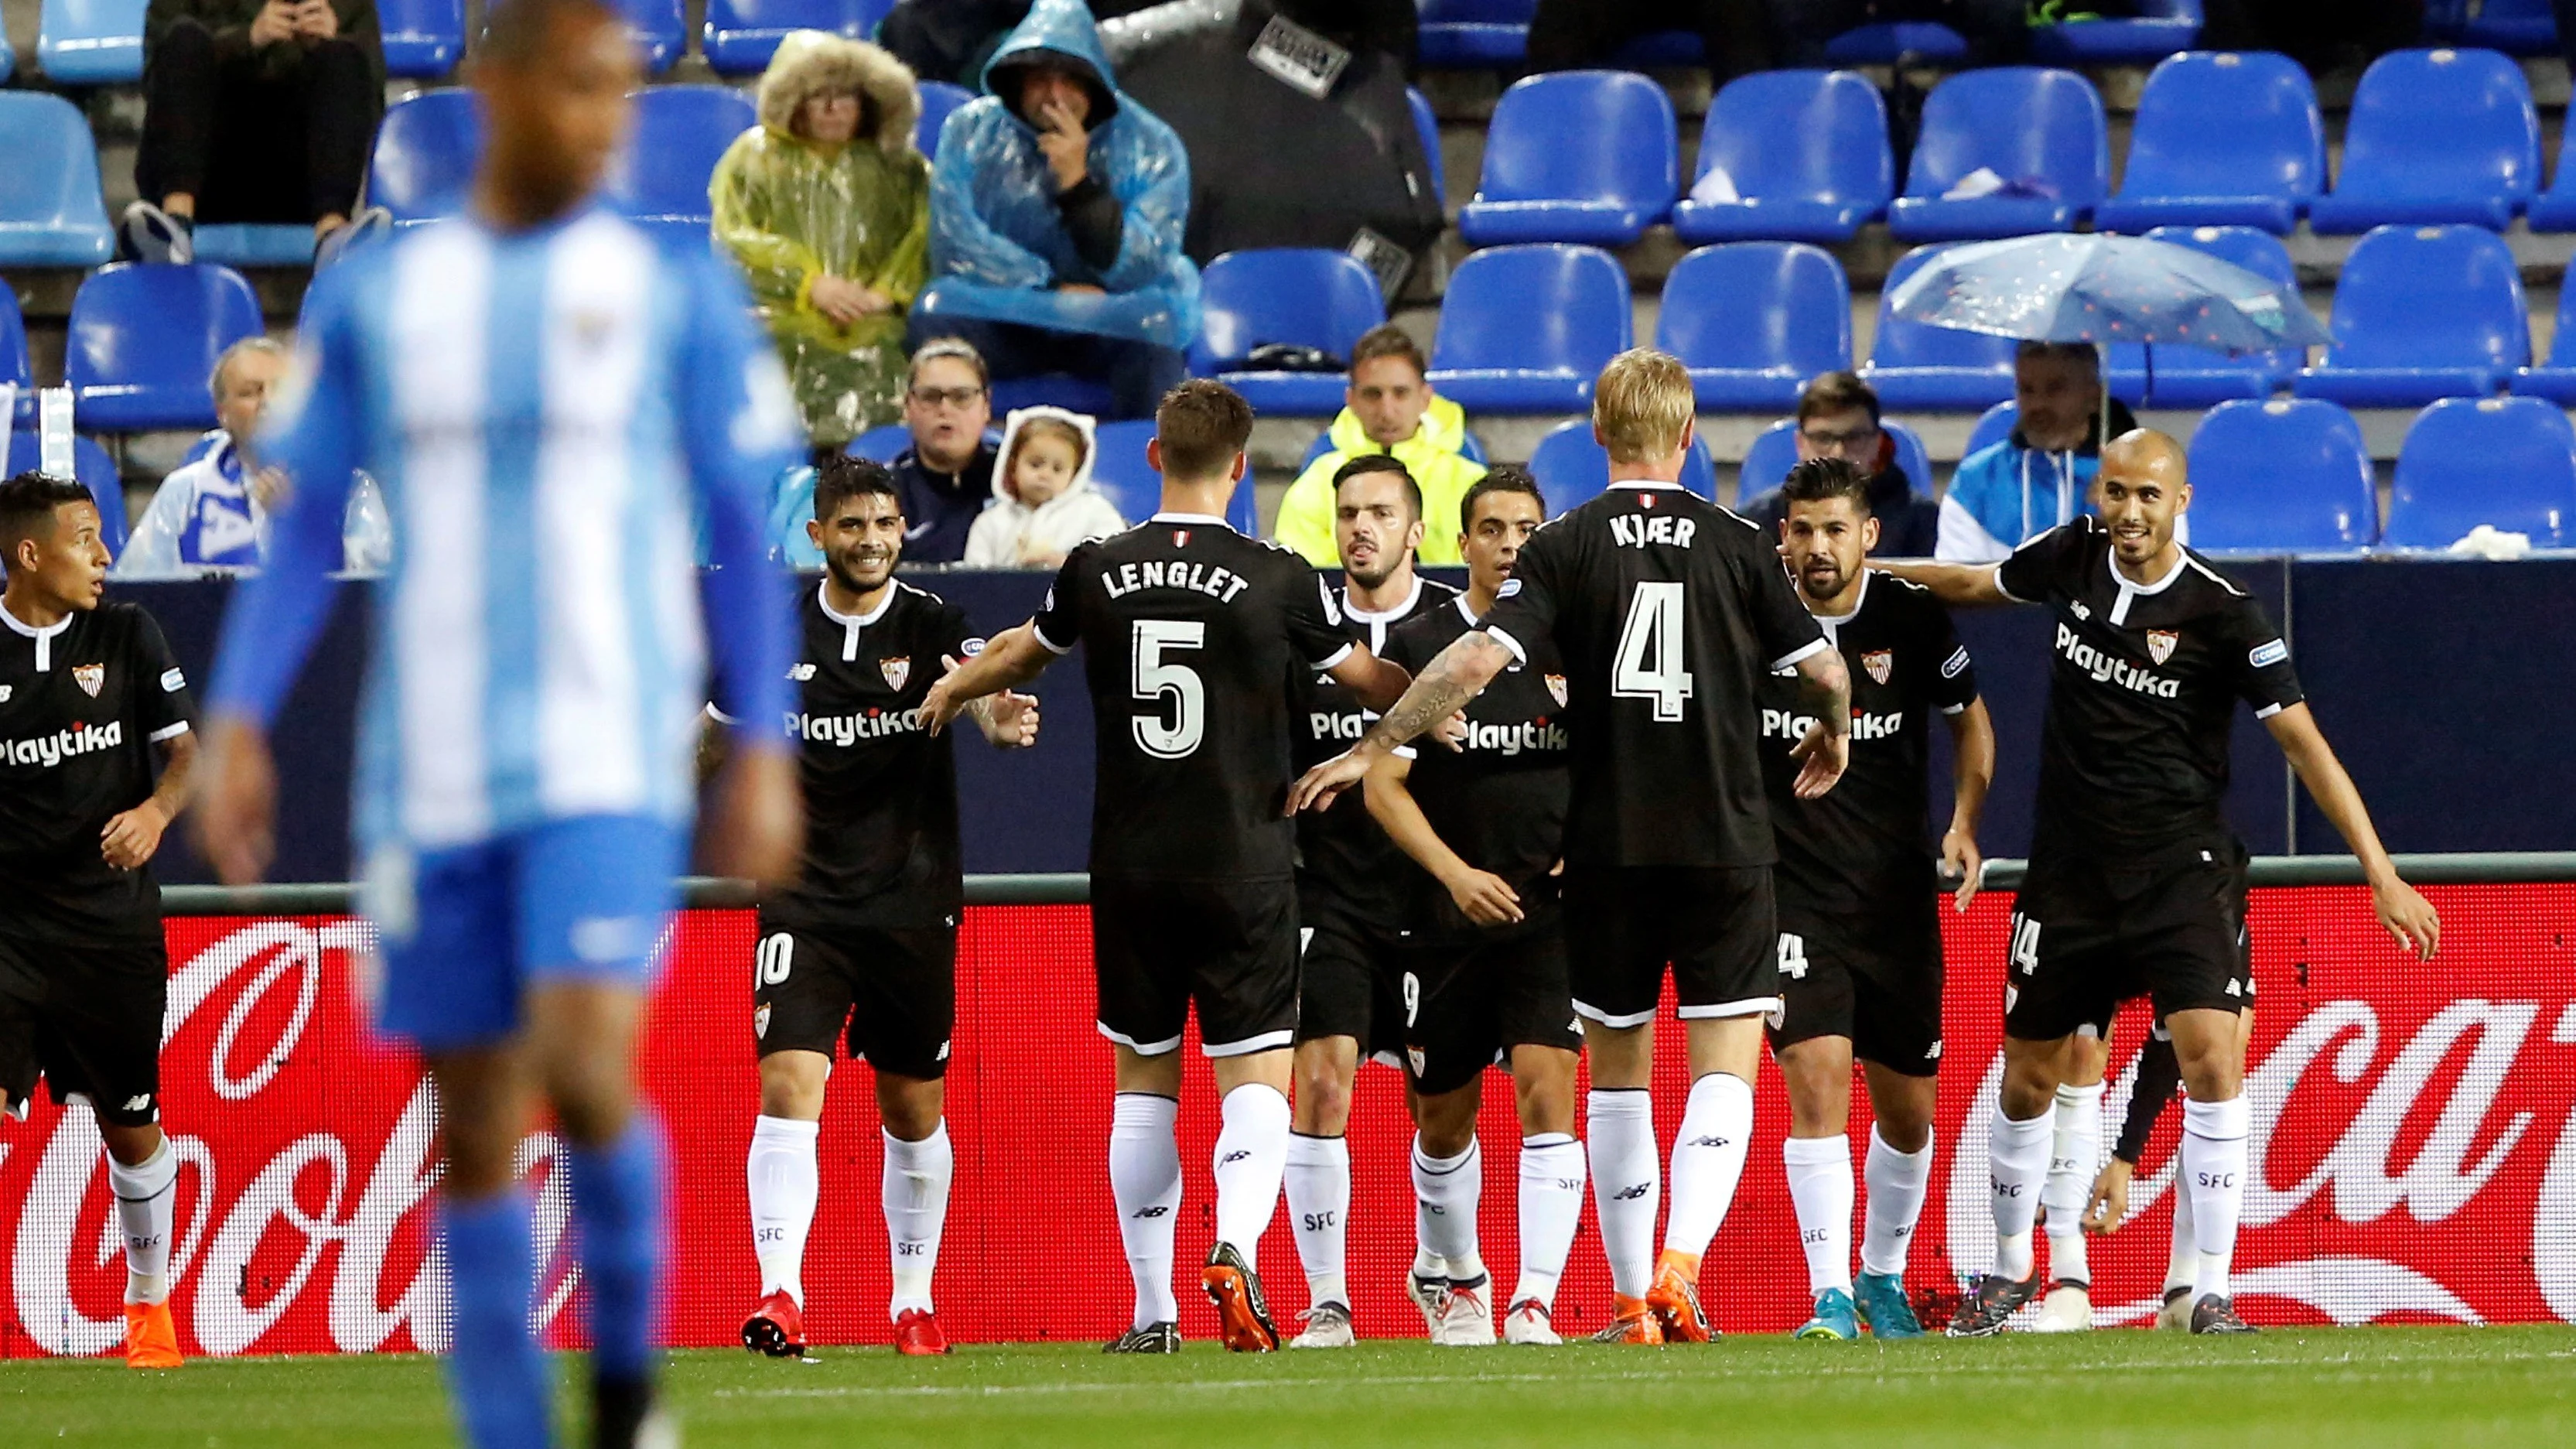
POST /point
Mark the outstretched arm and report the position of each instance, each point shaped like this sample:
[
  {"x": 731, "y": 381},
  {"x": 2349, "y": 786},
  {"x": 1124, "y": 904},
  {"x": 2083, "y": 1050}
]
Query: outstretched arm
[
  {"x": 1483, "y": 897},
  {"x": 1972, "y": 770},
  {"x": 1012, "y": 658},
  {"x": 1460, "y": 672},
  {"x": 1377, "y": 682},
  {"x": 1824, "y": 691},
  {"x": 1960, "y": 585},
  {"x": 2407, "y": 915}
]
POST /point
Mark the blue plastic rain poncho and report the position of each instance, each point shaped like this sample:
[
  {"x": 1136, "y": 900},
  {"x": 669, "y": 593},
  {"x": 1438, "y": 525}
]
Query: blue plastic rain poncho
[{"x": 997, "y": 243}]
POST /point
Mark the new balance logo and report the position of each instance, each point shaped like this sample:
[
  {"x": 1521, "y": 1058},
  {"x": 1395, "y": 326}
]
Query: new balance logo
[
  {"x": 1155, "y": 1211},
  {"x": 139, "y": 1103},
  {"x": 1707, "y": 1142},
  {"x": 1231, "y": 1158},
  {"x": 1631, "y": 1194}
]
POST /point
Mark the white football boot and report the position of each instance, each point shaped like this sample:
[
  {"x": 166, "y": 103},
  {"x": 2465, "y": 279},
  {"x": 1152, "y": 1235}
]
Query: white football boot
[{"x": 2068, "y": 1308}]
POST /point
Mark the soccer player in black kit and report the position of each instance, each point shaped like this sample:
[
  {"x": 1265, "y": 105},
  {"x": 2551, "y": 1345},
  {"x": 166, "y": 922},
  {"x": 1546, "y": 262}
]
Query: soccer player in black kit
[
  {"x": 1482, "y": 978},
  {"x": 1192, "y": 637},
  {"x": 1667, "y": 610},
  {"x": 1349, "y": 893},
  {"x": 2136, "y": 884},
  {"x": 865, "y": 944},
  {"x": 1860, "y": 930},
  {"x": 89, "y": 694}
]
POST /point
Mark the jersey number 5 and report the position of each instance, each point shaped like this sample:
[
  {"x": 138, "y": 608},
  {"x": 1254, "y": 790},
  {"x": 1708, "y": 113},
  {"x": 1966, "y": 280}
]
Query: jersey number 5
[
  {"x": 1179, "y": 719},
  {"x": 1650, "y": 664}
]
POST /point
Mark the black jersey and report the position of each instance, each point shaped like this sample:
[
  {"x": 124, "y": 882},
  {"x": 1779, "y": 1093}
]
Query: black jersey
[
  {"x": 81, "y": 706},
  {"x": 2143, "y": 693},
  {"x": 1499, "y": 798},
  {"x": 1866, "y": 842},
  {"x": 1344, "y": 861},
  {"x": 1667, "y": 611},
  {"x": 1192, "y": 638},
  {"x": 880, "y": 795}
]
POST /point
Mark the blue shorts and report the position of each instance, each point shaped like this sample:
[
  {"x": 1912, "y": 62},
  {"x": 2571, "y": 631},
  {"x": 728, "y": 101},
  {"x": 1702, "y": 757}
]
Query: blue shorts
[{"x": 466, "y": 931}]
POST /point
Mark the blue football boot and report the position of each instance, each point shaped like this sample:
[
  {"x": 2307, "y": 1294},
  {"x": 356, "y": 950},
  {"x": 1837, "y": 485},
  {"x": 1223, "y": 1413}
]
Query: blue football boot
[
  {"x": 1835, "y": 1318},
  {"x": 1884, "y": 1309}
]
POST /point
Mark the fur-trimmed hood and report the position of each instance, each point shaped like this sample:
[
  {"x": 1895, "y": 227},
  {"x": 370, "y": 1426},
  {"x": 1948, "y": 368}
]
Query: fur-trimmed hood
[{"x": 809, "y": 63}]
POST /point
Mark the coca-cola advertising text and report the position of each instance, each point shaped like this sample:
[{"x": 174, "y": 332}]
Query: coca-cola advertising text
[{"x": 2414, "y": 1155}]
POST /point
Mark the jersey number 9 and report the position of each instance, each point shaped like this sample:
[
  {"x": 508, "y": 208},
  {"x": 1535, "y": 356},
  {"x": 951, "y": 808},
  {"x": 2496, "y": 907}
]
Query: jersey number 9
[{"x": 1179, "y": 718}]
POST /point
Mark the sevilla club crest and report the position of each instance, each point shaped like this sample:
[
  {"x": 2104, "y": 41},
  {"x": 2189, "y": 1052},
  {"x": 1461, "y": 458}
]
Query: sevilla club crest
[
  {"x": 90, "y": 677},
  {"x": 896, "y": 671},
  {"x": 1556, "y": 689},
  {"x": 2160, "y": 644},
  {"x": 1880, "y": 663}
]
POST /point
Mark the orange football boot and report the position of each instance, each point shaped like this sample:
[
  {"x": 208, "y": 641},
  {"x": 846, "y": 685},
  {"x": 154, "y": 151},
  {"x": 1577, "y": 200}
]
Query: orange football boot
[
  {"x": 1674, "y": 1299},
  {"x": 1243, "y": 1314},
  {"x": 151, "y": 1340},
  {"x": 916, "y": 1332},
  {"x": 1632, "y": 1322}
]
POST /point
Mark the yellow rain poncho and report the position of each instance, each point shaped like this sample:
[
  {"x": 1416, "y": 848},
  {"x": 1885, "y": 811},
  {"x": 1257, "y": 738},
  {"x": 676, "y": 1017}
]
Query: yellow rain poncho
[{"x": 790, "y": 210}]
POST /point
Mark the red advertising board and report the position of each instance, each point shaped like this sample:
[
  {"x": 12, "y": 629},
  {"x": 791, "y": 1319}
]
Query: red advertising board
[{"x": 2415, "y": 1149}]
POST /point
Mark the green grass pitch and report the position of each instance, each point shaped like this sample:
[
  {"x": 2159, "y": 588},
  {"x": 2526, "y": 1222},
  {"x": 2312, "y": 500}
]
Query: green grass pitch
[{"x": 2340, "y": 1388}]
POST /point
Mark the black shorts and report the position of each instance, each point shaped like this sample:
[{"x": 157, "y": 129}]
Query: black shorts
[
  {"x": 1346, "y": 983},
  {"x": 893, "y": 989},
  {"x": 1467, "y": 1002},
  {"x": 91, "y": 1029},
  {"x": 2087, "y": 937},
  {"x": 1872, "y": 976},
  {"x": 1713, "y": 925},
  {"x": 1228, "y": 945}
]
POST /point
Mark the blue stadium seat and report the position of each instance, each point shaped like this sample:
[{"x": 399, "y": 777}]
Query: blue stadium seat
[
  {"x": 423, "y": 38},
  {"x": 2160, "y": 28},
  {"x": 2040, "y": 130},
  {"x": 680, "y": 132},
  {"x": 254, "y": 244},
  {"x": 2287, "y": 475},
  {"x": 1887, "y": 42},
  {"x": 2505, "y": 461},
  {"x": 424, "y": 157},
  {"x": 1052, "y": 389},
  {"x": 2222, "y": 139},
  {"x": 1774, "y": 452},
  {"x": 2194, "y": 377},
  {"x": 1805, "y": 150},
  {"x": 739, "y": 35},
  {"x": 144, "y": 339},
  {"x": 1121, "y": 472},
  {"x": 881, "y": 445},
  {"x": 2555, "y": 208},
  {"x": 2423, "y": 313},
  {"x": 1427, "y": 127},
  {"x": 1526, "y": 329},
  {"x": 1307, "y": 296},
  {"x": 1939, "y": 368},
  {"x": 1574, "y": 470},
  {"x": 92, "y": 467},
  {"x": 91, "y": 42},
  {"x": 2556, "y": 380},
  {"x": 2516, "y": 27},
  {"x": 938, "y": 98},
  {"x": 8, "y": 59},
  {"x": 14, "y": 366},
  {"x": 658, "y": 28},
  {"x": 1579, "y": 156},
  {"x": 1473, "y": 34},
  {"x": 1754, "y": 320},
  {"x": 1992, "y": 426},
  {"x": 51, "y": 212},
  {"x": 2435, "y": 136}
]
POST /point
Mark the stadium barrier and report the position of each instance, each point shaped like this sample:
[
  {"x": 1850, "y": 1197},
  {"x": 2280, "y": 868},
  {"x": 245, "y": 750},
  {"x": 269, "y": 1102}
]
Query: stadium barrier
[{"x": 2414, "y": 1157}]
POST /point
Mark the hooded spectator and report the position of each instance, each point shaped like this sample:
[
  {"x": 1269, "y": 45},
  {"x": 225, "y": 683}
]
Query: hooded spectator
[
  {"x": 1390, "y": 408},
  {"x": 2041, "y": 475},
  {"x": 1044, "y": 499}
]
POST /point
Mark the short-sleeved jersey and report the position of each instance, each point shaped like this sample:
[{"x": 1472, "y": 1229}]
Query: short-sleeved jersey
[
  {"x": 1499, "y": 798},
  {"x": 2142, "y": 693},
  {"x": 82, "y": 704},
  {"x": 881, "y": 845},
  {"x": 1193, "y": 637},
  {"x": 1344, "y": 861},
  {"x": 1865, "y": 842},
  {"x": 1667, "y": 611}
]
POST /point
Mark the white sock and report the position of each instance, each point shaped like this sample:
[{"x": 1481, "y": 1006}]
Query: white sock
[
  {"x": 1145, "y": 1178},
  {"x": 784, "y": 1185},
  {"x": 2074, "y": 1156},
  {"x": 145, "y": 1194},
  {"x": 1708, "y": 1160},
  {"x": 2016, "y": 1164},
  {"x": 2182, "y": 1263},
  {"x": 1627, "y": 1187},
  {"x": 1446, "y": 1191},
  {"x": 1820, "y": 1187},
  {"x": 1319, "y": 1201},
  {"x": 2213, "y": 1164},
  {"x": 916, "y": 1209},
  {"x": 1896, "y": 1184},
  {"x": 1251, "y": 1155},
  {"x": 1551, "y": 1203}
]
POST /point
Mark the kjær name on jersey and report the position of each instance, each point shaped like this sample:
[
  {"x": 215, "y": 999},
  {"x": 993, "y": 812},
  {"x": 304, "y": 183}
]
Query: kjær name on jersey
[
  {"x": 1636, "y": 530},
  {"x": 47, "y": 751},
  {"x": 1220, "y": 584},
  {"x": 2106, "y": 669}
]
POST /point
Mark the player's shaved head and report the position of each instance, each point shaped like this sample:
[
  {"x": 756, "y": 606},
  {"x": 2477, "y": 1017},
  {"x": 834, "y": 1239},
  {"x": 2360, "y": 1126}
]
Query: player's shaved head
[
  {"x": 2141, "y": 490},
  {"x": 2142, "y": 451},
  {"x": 553, "y": 76}
]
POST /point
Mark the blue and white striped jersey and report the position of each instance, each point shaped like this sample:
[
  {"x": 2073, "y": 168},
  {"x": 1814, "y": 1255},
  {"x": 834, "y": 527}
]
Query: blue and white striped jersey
[{"x": 549, "y": 413}]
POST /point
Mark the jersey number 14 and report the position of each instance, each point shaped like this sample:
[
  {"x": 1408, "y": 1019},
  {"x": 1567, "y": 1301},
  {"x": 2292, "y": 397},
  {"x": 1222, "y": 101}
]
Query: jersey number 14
[{"x": 1651, "y": 658}]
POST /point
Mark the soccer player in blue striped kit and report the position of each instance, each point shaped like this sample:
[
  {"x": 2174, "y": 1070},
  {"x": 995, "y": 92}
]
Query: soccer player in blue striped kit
[{"x": 548, "y": 401}]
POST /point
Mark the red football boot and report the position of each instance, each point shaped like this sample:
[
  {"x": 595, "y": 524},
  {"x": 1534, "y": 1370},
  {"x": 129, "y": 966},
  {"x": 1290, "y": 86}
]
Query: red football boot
[
  {"x": 916, "y": 1331},
  {"x": 775, "y": 1328}
]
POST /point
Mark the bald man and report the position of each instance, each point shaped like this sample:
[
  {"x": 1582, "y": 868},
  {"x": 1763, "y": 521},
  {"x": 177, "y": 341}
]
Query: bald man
[{"x": 2136, "y": 884}]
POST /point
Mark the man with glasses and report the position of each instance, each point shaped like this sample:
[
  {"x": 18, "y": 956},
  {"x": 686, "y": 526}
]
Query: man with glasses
[
  {"x": 1838, "y": 418},
  {"x": 946, "y": 476}
]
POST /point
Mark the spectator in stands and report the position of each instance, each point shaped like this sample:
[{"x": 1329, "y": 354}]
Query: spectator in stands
[
  {"x": 213, "y": 511},
  {"x": 1838, "y": 418},
  {"x": 947, "y": 473},
  {"x": 949, "y": 40},
  {"x": 1045, "y": 502},
  {"x": 1735, "y": 35},
  {"x": 253, "y": 111},
  {"x": 1390, "y": 408},
  {"x": 2041, "y": 475},
  {"x": 826, "y": 206},
  {"x": 1057, "y": 206}
]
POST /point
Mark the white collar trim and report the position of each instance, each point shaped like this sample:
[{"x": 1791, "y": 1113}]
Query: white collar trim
[
  {"x": 823, "y": 597},
  {"x": 1860, "y": 600},
  {"x": 1366, "y": 616},
  {"x": 1189, "y": 518}
]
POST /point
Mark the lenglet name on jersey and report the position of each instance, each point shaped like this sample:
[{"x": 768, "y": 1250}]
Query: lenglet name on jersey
[
  {"x": 1220, "y": 584},
  {"x": 849, "y": 729},
  {"x": 2107, "y": 669}
]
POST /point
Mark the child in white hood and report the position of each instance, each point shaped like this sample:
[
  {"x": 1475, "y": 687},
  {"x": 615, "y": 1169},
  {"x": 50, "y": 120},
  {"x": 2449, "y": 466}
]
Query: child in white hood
[{"x": 1046, "y": 502}]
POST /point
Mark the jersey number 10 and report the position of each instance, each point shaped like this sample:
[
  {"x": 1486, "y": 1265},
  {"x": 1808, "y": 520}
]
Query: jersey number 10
[
  {"x": 1650, "y": 663},
  {"x": 1179, "y": 718}
]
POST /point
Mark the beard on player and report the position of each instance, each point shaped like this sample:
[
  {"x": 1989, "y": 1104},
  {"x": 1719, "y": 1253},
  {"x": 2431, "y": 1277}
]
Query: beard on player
[{"x": 864, "y": 563}]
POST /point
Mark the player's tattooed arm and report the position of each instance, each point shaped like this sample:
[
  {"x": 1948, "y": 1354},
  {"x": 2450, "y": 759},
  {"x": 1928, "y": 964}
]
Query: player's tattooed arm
[
  {"x": 2400, "y": 907},
  {"x": 1972, "y": 770},
  {"x": 132, "y": 837},
  {"x": 1960, "y": 585},
  {"x": 1824, "y": 691},
  {"x": 1013, "y": 657},
  {"x": 1482, "y": 896},
  {"x": 1009, "y": 719},
  {"x": 1445, "y": 685}
]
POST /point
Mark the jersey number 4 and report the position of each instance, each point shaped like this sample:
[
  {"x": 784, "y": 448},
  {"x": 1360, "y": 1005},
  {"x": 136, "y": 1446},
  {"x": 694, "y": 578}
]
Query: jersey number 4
[
  {"x": 1179, "y": 719},
  {"x": 1650, "y": 663}
]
